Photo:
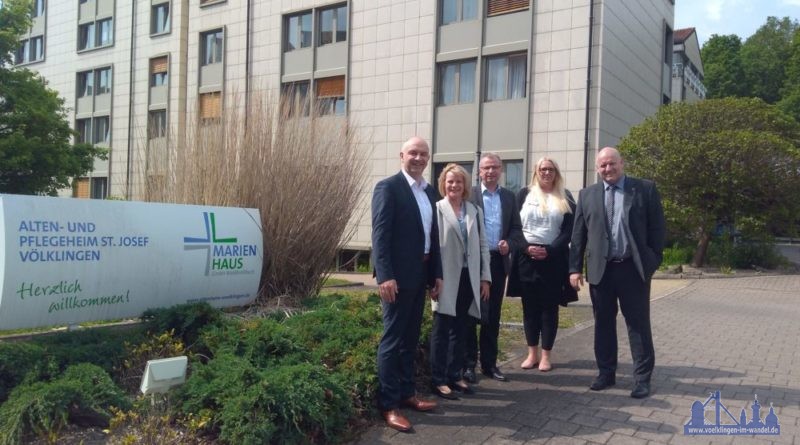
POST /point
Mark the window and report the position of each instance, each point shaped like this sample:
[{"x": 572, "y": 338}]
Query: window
[
  {"x": 459, "y": 10},
  {"x": 211, "y": 49},
  {"x": 103, "y": 81},
  {"x": 159, "y": 18},
  {"x": 84, "y": 129},
  {"x": 159, "y": 71},
  {"x": 99, "y": 188},
  {"x": 157, "y": 124},
  {"x": 294, "y": 99},
  {"x": 102, "y": 130},
  {"x": 80, "y": 188},
  {"x": 86, "y": 36},
  {"x": 496, "y": 7},
  {"x": 330, "y": 96},
  {"x": 506, "y": 77},
  {"x": 106, "y": 36},
  {"x": 298, "y": 31},
  {"x": 30, "y": 50},
  {"x": 96, "y": 34},
  {"x": 457, "y": 83},
  {"x": 668, "y": 43},
  {"x": 94, "y": 82},
  {"x": 38, "y": 8},
  {"x": 210, "y": 106},
  {"x": 85, "y": 84},
  {"x": 513, "y": 175},
  {"x": 333, "y": 25}
]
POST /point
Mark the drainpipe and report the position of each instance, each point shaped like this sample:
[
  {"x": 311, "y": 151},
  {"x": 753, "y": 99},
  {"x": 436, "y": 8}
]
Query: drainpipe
[
  {"x": 131, "y": 83},
  {"x": 247, "y": 63},
  {"x": 588, "y": 94}
]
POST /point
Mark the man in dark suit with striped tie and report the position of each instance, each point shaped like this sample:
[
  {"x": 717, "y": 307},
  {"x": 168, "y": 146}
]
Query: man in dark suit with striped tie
[
  {"x": 405, "y": 253},
  {"x": 620, "y": 227}
]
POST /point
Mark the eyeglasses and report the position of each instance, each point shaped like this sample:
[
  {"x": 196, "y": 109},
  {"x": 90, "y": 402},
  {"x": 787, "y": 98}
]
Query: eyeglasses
[{"x": 547, "y": 170}]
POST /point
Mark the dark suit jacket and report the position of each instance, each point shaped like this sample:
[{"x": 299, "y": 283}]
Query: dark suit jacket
[
  {"x": 398, "y": 238},
  {"x": 642, "y": 220},
  {"x": 512, "y": 227}
]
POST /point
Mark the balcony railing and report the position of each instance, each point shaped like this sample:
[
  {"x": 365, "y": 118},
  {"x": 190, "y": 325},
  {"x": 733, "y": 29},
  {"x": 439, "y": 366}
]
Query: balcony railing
[{"x": 689, "y": 78}]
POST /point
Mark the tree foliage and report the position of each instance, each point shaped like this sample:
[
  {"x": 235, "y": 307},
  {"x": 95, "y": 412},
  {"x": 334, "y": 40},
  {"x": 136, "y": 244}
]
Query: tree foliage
[
  {"x": 764, "y": 56},
  {"x": 36, "y": 153},
  {"x": 790, "y": 101},
  {"x": 720, "y": 161},
  {"x": 724, "y": 75}
]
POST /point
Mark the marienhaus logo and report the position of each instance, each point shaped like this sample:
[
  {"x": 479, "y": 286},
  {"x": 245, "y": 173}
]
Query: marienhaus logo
[{"x": 223, "y": 255}]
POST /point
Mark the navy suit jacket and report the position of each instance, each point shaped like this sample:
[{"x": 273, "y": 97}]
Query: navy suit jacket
[
  {"x": 642, "y": 220},
  {"x": 512, "y": 227},
  {"x": 398, "y": 238}
]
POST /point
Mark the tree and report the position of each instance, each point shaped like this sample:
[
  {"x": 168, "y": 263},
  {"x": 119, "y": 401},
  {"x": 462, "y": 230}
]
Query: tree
[
  {"x": 727, "y": 161},
  {"x": 36, "y": 156},
  {"x": 790, "y": 101},
  {"x": 724, "y": 75},
  {"x": 764, "y": 56}
]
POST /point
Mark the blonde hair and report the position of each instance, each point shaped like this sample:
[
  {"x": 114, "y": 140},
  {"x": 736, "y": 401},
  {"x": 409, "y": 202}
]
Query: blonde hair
[
  {"x": 456, "y": 170},
  {"x": 559, "y": 192}
]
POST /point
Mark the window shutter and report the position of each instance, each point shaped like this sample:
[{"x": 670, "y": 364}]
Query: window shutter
[
  {"x": 330, "y": 87},
  {"x": 503, "y": 6},
  {"x": 81, "y": 188},
  {"x": 210, "y": 106},
  {"x": 158, "y": 65}
]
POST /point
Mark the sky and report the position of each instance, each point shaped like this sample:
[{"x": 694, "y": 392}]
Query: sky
[{"x": 740, "y": 17}]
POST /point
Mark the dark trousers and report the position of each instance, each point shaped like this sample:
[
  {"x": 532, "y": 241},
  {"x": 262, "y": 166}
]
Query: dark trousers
[
  {"x": 490, "y": 320},
  {"x": 402, "y": 321},
  {"x": 447, "y": 337},
  {"x": 538, "y": 319},
  {"x": 621, "y": 281}
]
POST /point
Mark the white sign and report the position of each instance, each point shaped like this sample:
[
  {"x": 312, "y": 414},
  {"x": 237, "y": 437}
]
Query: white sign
[{"x": 66, "y": 261}]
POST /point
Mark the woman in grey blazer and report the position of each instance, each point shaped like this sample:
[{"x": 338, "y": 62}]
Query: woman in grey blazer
[{"x": 466, "y": 279}]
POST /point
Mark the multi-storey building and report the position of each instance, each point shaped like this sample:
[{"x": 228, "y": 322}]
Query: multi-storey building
[
  {"x": 687, "y": 67},
  {"x": 523, "y": 78}
]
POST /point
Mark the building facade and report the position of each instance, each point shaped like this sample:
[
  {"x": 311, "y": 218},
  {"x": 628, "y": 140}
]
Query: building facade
[
  {"x": 522, "y": 78},
  {"x": 687, "y": 67}
]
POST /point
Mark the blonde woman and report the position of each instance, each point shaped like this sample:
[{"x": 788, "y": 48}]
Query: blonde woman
[
  {"x": 466, "y": 278},
  {"x": 540, "y": 268}
]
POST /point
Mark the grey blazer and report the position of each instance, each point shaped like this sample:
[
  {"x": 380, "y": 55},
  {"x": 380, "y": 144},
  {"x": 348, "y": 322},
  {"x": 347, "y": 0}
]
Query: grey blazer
[
  {"x": 642, "y": 220},
  {"x": 452, "y": 251}
]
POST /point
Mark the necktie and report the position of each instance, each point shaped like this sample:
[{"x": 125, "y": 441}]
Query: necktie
[{"x": 610, "y": 206}]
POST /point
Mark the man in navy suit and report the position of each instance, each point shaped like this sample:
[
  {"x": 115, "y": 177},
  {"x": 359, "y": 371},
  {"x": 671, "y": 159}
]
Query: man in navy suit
[
  {"x": 503, "y": 235},
  {"x": 405, "y": 253},
  {"x": 620, "y": 227}
]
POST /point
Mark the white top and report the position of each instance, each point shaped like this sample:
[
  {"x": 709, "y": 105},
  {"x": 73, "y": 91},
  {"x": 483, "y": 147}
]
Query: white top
[
  {"x": 537, "y": 226},
  {"x": 424, "y": 204}
]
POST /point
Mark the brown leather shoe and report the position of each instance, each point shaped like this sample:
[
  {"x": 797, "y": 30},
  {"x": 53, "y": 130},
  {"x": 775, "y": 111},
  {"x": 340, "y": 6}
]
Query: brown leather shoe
[
  {"x": 396, "y": 420},
  {"x": 418, "y": 404}
]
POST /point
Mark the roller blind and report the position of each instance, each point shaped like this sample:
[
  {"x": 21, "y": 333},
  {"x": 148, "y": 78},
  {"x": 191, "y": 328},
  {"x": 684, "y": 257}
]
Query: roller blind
[
  {"x": 81, "y": 188},
  {"x": 158, "y": 65},
  {"x": 330, "y": 87},
  {"x": 503, "y": 6},
  {"x": 210, "y": 106}
]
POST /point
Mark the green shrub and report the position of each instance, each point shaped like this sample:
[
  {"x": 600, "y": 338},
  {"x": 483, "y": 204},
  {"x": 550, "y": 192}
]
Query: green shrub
[
  {"x": 297, "y": 403},
  {"x": 744, "y": 255},
  {"x": 185, "y": 320},
  {"x": 677, "y": 255},
  {"x": 104, "y": 347},
  {"x": 83, "y": 395},
  {"x": 17, "y": 359}
]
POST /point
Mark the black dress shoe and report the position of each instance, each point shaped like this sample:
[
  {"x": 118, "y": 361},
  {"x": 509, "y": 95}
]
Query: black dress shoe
[
  {"x": 602, "y": 382},
  {"x": 445, "y": 395},
  {"x": 495, "y": 374},
  {"x": 469, "y": 375},
  {"x": 641, "y": 390},
  {"x": 465, "y": 389}
]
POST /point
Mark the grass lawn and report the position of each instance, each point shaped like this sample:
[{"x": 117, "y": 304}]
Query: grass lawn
[{"x": 331, "y": 281}]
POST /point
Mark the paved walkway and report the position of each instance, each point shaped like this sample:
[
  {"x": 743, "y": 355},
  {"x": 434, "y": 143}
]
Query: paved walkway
[{"x": 738, "y": 336}]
